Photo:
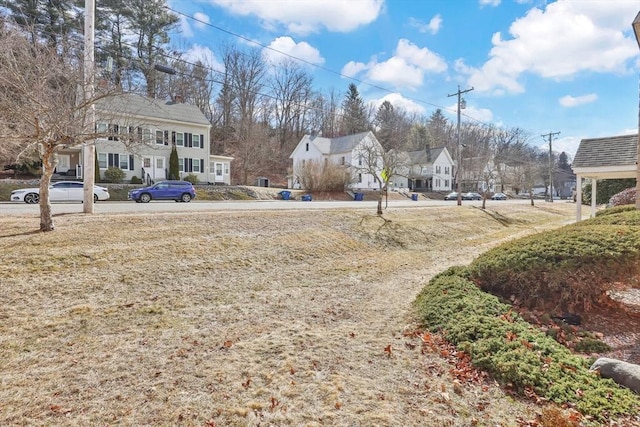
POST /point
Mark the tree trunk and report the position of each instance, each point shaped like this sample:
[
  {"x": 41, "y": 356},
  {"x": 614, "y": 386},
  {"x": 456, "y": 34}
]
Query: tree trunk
[{"x": 48, "y": 164}]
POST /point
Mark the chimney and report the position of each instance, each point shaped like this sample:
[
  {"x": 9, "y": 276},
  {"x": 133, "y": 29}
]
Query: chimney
[{"x": 178, "y": 99}]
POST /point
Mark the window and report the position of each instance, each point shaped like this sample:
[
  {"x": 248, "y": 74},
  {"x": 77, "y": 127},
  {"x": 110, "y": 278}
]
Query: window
[
  {"x": 146, "y": 135},
  {"x": 146, "y": 162},
  {"x": 446, "y": 183},
  {"x": 218, "y": 169},
  {"x": 437, "y": 183},
  {"x": 307, "y": 147},
  {"x": 159, "y": 137},
  {"x": 359, "y": 160},
  {"x": 101, "y": 127},
  {"x": 196, "y": 141},
  {"x": 113, "y": 132},
  {"x": 359, "y": 177},
  {"x": 446, "y": 170},
  {"x": 102, "y": 160},
  {"x": 180, "y": 139},
  {"x": 226, "y": 168},
  {"x": 115, "y": 160},
  {"x": 437, "y": 169},
  {"x": 191, "y": 165},
  {"x": 342, "y": 162}
]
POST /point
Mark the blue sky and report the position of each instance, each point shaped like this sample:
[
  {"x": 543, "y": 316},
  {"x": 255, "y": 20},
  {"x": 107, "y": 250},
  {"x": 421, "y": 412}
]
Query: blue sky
[{"x": 568, "y": 66}]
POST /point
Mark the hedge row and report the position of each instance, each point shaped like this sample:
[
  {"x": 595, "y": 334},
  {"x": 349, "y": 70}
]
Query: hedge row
[
  {"x": 515, "y": 352},
  {"x": 568, "y": 269}
]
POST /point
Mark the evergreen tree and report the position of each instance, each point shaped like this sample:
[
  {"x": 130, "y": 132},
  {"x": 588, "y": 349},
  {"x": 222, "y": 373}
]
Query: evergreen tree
[
  {"x": 174, "y": 165},
  {"x": 439, "y": 130},
  {"x": 354, "y": 113}
]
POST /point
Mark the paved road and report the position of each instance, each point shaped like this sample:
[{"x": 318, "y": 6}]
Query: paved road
[{"x": 16, "y": 209}]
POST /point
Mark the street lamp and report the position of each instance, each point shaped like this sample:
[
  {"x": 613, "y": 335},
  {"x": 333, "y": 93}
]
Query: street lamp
[{"x": 636, "y": 30}]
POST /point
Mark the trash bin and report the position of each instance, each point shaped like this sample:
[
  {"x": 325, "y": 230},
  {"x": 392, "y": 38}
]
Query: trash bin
[
  {"x": 414, "y": 197},
  {"x": 306, "y": 197},
  {"x": 286, "y": 195},
  {"x": 358, "y": 197}
]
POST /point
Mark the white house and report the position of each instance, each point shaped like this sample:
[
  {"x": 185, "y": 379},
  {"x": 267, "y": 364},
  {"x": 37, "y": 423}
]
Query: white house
[
  {"x": 426, "y": 170},
  {"x": 361, "y": 153},
  {"x": 139, "y": 134}
]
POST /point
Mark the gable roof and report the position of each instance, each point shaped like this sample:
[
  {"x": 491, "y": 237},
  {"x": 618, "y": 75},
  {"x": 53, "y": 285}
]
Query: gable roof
[
  {"x": 610, "y": 151},
  {"x": 141, "y": 106},
  {"x": 342, "y": 144},
  {"x": 423, "y": 157}
]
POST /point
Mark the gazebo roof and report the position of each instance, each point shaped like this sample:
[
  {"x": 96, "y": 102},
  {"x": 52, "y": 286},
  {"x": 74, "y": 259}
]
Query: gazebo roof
[{"x": 607, "y": 158}]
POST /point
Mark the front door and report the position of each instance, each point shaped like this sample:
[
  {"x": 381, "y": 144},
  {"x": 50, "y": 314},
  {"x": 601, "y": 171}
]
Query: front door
[
  {"x": 64, "y": 162},
  {"x": 159, "y": 168}
]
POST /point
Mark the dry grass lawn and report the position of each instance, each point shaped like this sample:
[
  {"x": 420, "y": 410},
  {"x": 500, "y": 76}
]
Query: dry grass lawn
[{"x": 240, "y": 318}]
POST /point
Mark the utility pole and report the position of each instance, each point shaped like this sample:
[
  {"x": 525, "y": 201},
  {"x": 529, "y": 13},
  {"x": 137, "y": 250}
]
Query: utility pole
[
  {"x": 459, "y": 156},
  {"x": 89, "y": 152},
  {"x": 550, "y": 135}
]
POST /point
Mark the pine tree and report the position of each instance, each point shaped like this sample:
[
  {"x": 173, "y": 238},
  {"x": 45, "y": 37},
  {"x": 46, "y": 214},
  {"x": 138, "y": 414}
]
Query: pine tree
[{"x": 354, "y": 115}]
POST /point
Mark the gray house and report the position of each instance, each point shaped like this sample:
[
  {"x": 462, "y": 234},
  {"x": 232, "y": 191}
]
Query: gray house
[{"x": 431, "y": 169}]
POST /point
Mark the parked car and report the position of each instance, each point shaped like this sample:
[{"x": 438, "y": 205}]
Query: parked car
[
  {"x": 471, "y": 196},
  {"x": 61, "y": 191},
  {"x": 451, "y": 196},
  {"x": 180, "y": 191},
  {"x": 499, "y": 196}
]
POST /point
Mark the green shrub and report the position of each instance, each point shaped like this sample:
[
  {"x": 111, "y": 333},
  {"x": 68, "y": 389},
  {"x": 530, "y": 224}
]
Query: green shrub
[
  {"x": 192, "y": 178},
  {"x": 513, "y": 351},
  {"x": 615, "y": 210},
  {"x": 566, "y": 269},
  {"x": 136, "y": 180},
  {"x": 114, "y": 175}
]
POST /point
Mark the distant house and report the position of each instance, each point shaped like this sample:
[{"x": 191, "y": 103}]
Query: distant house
[
  {"x": 359, "y": 153},
  {"x": 139, "y": 135},
  {"x": 612, "y": 157},
  {"x": 425, "y": 170}
]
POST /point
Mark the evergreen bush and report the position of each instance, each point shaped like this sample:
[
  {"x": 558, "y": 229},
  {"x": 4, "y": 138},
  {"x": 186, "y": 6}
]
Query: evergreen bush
[{"x": 114, "y": 175}]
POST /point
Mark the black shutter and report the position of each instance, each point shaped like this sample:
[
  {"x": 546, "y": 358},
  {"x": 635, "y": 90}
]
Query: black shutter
[
  {"x": 131, "y": 162},
  {"x": 190, "y": 140},
  {"x": 173, "y": 138},
  {"x": 166, "y": 137},
  {"x": 201, "y": 165},
  {"x": 201, "y": 141},
  {"x": 190, "y": 165}
]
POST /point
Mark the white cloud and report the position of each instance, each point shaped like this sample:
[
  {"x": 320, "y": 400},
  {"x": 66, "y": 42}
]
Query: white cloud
[
  {"x": 185, "y": 27},
  {"x": 398, "y": 101},
  {"x": 397, "y": 71},
  {"x": 406, "y": 69},
  {"x": 304, "y": 17},
  {"x": 558, "y": 42},
  {"x": 352, "y": 68},
  {"x": 432, "y": 27},
  {"x": 571, "y": 101},
  {"x": 201, "y": 19},
  {"x": 287, "y": 45},
  {"x": 493, "y": 3},
  {"x": 204, "y": 55}
]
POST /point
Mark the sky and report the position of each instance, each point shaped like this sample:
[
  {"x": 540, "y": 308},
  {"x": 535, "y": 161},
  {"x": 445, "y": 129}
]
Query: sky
[{"x": 567, "y": 66}]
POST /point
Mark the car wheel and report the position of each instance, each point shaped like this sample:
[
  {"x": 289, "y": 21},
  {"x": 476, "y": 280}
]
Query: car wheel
[
  {"x": 145, "y": 197},
  {"x": 95, "y": 198},
  {"x": 186, "y": 197},
  {"x": 32, "y": 198}
]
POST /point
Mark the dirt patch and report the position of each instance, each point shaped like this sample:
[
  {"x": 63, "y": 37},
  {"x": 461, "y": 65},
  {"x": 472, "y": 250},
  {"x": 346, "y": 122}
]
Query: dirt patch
[{"x": 240, "y": 319}]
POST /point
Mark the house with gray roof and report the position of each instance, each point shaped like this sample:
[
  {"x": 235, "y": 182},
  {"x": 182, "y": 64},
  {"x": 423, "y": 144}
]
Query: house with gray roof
[
  {"x": 359, "y": 153},
  {"x": 613, "y": 157},
  {"x": 137, "y": 134},
  {"x": 430, "y": 169}
]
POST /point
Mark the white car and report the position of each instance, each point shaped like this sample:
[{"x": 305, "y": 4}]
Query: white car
[{"x": 61, "y": 191}]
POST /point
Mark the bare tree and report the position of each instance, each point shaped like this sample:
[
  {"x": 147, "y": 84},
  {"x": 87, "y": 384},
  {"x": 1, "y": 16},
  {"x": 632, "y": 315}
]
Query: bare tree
[{"x": 42, "y": 109}]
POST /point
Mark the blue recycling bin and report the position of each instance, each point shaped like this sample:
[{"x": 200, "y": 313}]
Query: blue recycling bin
[
  {"x": 358, "y": 197},
  {"x": 286, "y": 195},
  {"x": 414, "y": 197},
  {"x": 306, "y": 197}
]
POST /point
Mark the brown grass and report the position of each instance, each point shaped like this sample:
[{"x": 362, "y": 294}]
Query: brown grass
[{"x": 239, "y": 319}]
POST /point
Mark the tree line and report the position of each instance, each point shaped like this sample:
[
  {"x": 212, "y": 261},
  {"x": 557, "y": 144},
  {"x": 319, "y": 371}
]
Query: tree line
[{"x": 259, "y": 109}]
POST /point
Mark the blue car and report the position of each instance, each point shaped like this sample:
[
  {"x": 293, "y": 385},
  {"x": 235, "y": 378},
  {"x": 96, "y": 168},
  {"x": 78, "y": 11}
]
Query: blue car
[{"x": 180, "y": 191}]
